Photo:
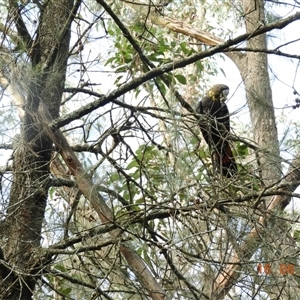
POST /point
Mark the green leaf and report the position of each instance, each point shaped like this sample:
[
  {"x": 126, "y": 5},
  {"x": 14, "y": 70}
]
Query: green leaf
[
  {"x": 114, "y": 177},
  {"x": 223, "y": 72},
  {"x": 51, "y": 192},
  {"x": 133, "y": 164},
  {"x": 66, "y": 291},
  {"x": 140, "y": 152},
  {"x": 242, "y": 149},
  {"x": 110, "y": 60},
  {"x": 203, "y": 153},
  {"x": 60, "y": 268},
  {"x": 297, "y": 235},
  {"x": 139, "y": 250},
  {"x": 181, "y": 79},
  {"x": 199, "y": 66},
  {"x": 146, "y": 257},
  {"x": 121, "y": 69},
  {"x": 140, "y": 201}
]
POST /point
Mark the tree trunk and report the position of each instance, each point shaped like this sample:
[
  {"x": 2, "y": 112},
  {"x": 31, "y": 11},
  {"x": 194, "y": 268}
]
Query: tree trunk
[
  {"x": 32, "y": 151},
  {"x": 253, "y": 67},
  {"x": 254, "y": 71}
]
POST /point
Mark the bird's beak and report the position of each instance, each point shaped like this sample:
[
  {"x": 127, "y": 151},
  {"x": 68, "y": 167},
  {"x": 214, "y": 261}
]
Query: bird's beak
[{"x": 224, "y": 95}]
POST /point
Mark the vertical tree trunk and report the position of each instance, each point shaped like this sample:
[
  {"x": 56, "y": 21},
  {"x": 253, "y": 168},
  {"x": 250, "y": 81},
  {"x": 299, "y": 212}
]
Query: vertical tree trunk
[
  {"x": 32, "y": 151},
  {"x": 254, "y": 71},
  {"x": 253, "y": 67}
]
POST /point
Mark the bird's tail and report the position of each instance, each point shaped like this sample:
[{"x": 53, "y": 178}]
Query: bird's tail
[{"x": 224, "y": 161}]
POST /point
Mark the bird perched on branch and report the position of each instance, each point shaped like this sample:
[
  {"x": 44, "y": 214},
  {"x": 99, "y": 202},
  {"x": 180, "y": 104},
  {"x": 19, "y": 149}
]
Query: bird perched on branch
[{"x": 215, "y": 128}]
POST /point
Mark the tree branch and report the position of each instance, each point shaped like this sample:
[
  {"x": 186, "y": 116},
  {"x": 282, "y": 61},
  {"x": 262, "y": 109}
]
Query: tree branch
[
  {"x": 173, "y": 24},
  {"x": 148, "y": 64},
  {"x": 15, "y": 13},
  {"x": 86, "y": 187},
  {"x": 257, "y": 50},
  {"x": 251, "y": 242},
  {"x": 102, "y": 101}
]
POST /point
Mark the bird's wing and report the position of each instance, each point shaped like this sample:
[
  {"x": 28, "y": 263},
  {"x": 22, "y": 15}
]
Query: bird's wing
[
  {"x": 225, "y": 116},
  {"x": 199, "y": 108}
]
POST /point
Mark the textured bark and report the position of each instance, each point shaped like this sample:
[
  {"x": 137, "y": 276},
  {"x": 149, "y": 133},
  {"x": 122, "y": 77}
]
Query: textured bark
[
  {"x": 86, "y": 186},
  {"x": 254, "y": 71},
  {"x": 32, "y": 151},
  {"x": 253, "y": 67},
  {"x": 232, "y": 271},
  {"x": 32, "y": 156}
]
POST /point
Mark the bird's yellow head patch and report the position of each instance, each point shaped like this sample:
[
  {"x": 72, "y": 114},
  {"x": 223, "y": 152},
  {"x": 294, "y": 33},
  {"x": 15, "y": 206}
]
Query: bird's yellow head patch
[{"x": 218, "y": 92}]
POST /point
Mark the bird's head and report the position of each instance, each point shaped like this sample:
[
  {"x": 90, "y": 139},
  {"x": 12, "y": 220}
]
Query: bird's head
[{"x": 218, "y": 92}]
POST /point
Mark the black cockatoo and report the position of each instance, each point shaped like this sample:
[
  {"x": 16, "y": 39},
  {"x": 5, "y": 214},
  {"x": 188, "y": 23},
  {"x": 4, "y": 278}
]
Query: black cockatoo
[{"x": 216, "y": 127}]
